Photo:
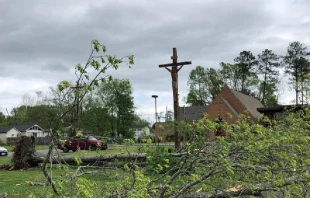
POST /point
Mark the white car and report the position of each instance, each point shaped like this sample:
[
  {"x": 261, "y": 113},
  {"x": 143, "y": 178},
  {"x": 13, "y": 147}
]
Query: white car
[{"x": 3, "y": 151}]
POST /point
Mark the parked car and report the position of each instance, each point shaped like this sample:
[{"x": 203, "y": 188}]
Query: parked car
[
  {"x": 3, "y": 151},
  {"x": 82, "y": 143}
]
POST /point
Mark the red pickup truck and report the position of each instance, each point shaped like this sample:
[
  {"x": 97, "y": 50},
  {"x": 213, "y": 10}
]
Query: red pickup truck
[{"x": 82, "y": 143}]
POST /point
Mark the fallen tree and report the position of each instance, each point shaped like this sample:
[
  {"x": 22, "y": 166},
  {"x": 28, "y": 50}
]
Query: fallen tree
[{"x": 94, "y": 160}]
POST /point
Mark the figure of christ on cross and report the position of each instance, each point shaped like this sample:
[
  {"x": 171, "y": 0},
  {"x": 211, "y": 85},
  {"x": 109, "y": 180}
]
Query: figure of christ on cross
[{"x": 175, "y": 68}]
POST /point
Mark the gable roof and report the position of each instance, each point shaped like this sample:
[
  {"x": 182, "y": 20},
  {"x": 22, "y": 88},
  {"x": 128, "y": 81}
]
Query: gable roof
[
  {"x": 5, "y": 129},
  {"x": 192, "y": 113},
  {"x": 249, "y": 102},
  {"x": 139, "y": 126},
  {"x": 230, "y": 107},
  {"x": 21, "y": 128}
]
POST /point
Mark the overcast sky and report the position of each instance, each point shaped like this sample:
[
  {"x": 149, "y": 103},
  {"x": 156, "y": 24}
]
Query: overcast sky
[{"x": 41, "y": 41}]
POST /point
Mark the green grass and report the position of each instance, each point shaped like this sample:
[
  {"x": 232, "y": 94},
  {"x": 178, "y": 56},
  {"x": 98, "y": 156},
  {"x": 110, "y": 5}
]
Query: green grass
[
  {"x": 17, "y": 183},
  {"x": 14, "y": 183},
  {"x": 38, "y": 147},
  {"x": 5, "y": 160}
]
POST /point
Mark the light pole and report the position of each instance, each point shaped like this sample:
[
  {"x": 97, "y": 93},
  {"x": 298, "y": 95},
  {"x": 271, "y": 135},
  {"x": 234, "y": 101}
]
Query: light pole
[{"x": 155, "y": 96}]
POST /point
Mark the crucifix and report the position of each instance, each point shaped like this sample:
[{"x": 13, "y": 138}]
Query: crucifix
[{"x": 174, "y": 75}]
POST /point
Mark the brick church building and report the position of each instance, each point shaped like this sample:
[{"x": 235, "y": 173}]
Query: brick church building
[{"x": 229, "y": 104}]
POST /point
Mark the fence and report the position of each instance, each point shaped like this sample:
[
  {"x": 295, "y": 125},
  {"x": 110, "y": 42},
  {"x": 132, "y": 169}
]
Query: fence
[{"x": 38, "y": 140}]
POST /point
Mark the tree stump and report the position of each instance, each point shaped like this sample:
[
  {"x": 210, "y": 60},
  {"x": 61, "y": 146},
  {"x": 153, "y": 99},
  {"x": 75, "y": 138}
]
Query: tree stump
[{"x": 24, "y": 153}]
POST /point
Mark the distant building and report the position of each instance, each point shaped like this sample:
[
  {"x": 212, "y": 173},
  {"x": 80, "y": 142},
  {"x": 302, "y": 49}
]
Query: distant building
[
  {"x": 232, "y": 102},
  {"x": 21, "y": 130},
  {"x": 164, "y": 131},
  {"x": 228, "y": 105},
  {"x": 141, "y": 130},
  {"x": 192, "y": 114},
  {"x": 277, "y": 112}
]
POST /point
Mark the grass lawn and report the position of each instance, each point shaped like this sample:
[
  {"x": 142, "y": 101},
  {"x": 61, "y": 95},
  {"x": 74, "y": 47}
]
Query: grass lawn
[
  {"x": 4, "y": 160},
  {"x": 19, "y": 183},
  {"x": 16, "y": 183}
]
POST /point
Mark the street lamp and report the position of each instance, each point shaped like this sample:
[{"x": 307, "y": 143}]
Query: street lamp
[{"x": 155, "y": 96}]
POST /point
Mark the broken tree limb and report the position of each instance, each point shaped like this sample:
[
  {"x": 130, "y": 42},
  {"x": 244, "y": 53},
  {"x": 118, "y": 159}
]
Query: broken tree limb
[{"x": 256, "y": 190}]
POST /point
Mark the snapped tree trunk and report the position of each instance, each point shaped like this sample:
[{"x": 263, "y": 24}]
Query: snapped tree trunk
[{"x": 24, "y": 151}]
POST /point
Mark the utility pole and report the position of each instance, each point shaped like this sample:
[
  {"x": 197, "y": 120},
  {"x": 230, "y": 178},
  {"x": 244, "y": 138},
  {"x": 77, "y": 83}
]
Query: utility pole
[
  {"x": 166, "y": 117},
  {"x": 156, "y": 115},
  {"x": 77, "y": 103},
  {"x": 174, "y": 75}
]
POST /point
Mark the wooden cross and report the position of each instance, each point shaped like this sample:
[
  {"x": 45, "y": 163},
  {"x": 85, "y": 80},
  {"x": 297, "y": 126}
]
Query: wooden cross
[{"x": 174, "y": 75}]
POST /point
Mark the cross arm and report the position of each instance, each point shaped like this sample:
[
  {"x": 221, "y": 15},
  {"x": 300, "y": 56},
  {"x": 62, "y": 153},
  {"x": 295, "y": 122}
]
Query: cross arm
[
  {"x": 169, "y": 70},
  {"x": 175, "y": 64},
  {"x": 180, "y": 68}
]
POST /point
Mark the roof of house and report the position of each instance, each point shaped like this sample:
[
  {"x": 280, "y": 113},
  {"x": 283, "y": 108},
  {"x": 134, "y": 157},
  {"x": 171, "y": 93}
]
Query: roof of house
[
  {"x": 5, "y": 129},
  {"x": 139, "y": 126},
  {"x": 250, "y": 103},
  {"x": 192, "y": 113},
  {"x": 21, "y": 128},
  {"x": 280, "y": 108}
]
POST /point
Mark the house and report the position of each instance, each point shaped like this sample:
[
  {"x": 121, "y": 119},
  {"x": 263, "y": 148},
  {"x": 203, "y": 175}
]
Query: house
[
  {"x": 21, "y": 130},
  {"x": 140, "y": 130},
  {"x": 192, "y": 114},
  {"x": 230, "y": 104},
  {"x": 277, "y": 112},
  {"x": 164, "y": 131}
]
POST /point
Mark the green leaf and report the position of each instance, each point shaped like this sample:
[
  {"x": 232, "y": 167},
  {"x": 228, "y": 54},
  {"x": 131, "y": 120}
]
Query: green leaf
[
  {"x": 104, "y": 49},
  {"x": 93, "y": 63},
  {"x": 96, "y": 83},
  {"x": 63, "y": 85},
  {"x": 96, "y": 45},
  {"x": 131, "y": 59}
]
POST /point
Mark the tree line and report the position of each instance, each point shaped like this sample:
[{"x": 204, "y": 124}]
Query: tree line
[
  {"x": 258, "y": 76},
  {"x": 107, "y": 110}
]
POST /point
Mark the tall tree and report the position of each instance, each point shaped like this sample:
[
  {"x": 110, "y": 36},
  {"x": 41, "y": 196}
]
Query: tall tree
[
  {"x": 140, "y": 121},
  {"x": 296, "y": 65},
  {"x": 267, "y": 64},
  {"x": 116, "y": 96},
  {"x": 271, "y": 98},
  {"x": 96, "y": 120},
  {"x": 61, "y": 98},
  {"x": 204, "y": 85},
  {"x": 3, "y": 120},
  {"x": 196, "y": 81},
  {"x": 246, "y": 62},
  {"x": 41, "y": 115},
  {"x": 304, "y": 79},
  {"x": 233, "y": 77}
]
